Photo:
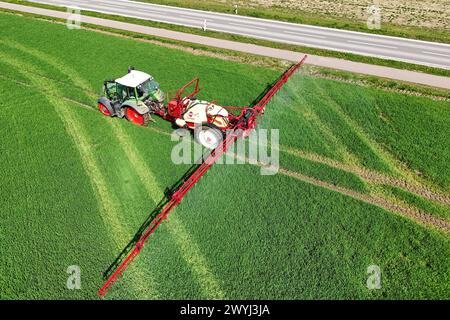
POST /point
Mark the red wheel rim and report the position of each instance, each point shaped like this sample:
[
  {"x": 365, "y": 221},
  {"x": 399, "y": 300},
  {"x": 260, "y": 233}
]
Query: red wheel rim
[
  {"x": 103, "y": 109},
  {"x": 135, "y": 117}
]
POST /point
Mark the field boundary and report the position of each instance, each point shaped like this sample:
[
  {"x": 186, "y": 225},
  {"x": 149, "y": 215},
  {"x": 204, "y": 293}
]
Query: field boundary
[{"x": 328, "y": 62}]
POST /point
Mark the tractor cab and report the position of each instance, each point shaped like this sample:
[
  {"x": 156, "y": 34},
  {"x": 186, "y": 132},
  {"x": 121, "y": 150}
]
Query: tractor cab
[{"x": 135, "y": 85}]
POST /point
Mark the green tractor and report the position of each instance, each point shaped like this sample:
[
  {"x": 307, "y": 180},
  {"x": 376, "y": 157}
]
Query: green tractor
[{"x": 134, "y": 96}]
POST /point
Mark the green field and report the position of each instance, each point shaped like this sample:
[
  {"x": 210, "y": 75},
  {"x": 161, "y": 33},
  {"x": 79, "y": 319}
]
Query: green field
[{"x": 356, "y": 164}]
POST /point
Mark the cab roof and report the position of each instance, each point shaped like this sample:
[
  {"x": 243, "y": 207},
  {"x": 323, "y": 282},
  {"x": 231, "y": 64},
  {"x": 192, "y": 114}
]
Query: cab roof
[{"x": 134, "y": 78}]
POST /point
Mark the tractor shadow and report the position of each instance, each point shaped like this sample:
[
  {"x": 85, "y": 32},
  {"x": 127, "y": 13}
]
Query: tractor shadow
[{"x": 168, "y": 192}]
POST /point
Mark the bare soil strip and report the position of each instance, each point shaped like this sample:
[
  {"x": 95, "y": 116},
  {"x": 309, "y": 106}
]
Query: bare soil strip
[
  {"x": 416, "y": 215},
  {"x": 409, "y": 212},
  {"x": 370, "y": 176}
]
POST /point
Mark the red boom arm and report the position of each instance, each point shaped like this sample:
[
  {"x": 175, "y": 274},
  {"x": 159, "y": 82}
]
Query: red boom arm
[{"x": 248, "y": 116}]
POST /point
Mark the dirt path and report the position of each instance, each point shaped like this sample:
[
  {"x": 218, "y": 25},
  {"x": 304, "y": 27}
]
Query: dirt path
[{"x": 333, "y": 63}]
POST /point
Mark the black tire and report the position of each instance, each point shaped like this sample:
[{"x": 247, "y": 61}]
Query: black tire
[{"x": 213, "y": 133}]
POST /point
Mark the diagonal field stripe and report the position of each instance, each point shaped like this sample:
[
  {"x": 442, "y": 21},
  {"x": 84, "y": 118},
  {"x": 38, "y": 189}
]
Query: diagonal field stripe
[
  {"x": 371, "y": 176},
  {"x": 415, "y": 215},
  {"x": 189, "y": 249},
  {"x": 395, "y": 165},
  {"x": 108, "y": 205},
  {"x": 308, "y": 113}
]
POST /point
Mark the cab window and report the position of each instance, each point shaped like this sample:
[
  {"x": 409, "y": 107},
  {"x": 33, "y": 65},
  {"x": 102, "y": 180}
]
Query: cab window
[{"x": 131, "y": 92}]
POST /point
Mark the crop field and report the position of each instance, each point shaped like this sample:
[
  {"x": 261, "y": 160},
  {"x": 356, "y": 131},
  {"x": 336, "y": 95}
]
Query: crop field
[{"x": 363, "y": 180}]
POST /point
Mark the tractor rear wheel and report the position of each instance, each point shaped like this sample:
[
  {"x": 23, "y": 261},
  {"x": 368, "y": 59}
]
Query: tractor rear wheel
[
  {"x": 104, "y": 110},
  {"x": 137, "y": 118},
  {"x": 208, "y": 135}
]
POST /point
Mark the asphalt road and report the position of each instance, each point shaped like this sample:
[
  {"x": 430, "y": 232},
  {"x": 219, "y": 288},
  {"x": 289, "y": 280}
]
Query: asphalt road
[{"x": 400, "y": 49}]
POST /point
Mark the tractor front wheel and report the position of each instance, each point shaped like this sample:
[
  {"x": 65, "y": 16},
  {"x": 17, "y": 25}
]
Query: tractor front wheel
[
  {"x": 104, "y": 110},
  {"x": 137, "y": 118},
  {"x": 209, "y": 136}
]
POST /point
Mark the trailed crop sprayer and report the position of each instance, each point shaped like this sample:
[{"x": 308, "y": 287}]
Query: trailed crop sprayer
[{"x": 137, "y": 96}]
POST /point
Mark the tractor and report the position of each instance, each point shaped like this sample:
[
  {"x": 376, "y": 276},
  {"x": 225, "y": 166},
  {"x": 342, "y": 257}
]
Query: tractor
[
  {"x": 137, "y": 96},
  {"x": 133, "y": 96}
]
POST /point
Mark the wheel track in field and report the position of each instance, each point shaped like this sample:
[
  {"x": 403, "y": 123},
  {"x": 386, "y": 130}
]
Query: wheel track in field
[
  {"x": 189, "y": 249},
  {"x": 370, "y": 176},
  {"x": 408, "y": 212},
  {"x": 397, "y": 166},
  {"x": 405, "y": 211},
  {"x": 309, "y": 113},
  {"x": 108, "y": 205},
  {"x": 356, "y": 131}
]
